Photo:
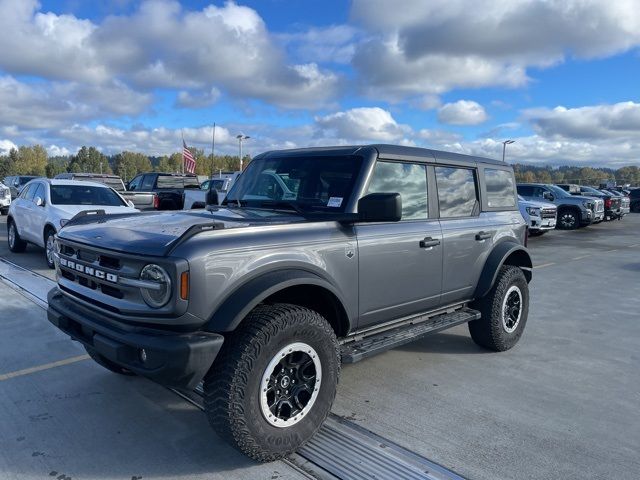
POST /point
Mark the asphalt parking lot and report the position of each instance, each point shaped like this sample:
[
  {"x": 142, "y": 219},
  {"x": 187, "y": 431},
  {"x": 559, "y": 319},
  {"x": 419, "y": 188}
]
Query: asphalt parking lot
[{"x": 562, "y": 404}]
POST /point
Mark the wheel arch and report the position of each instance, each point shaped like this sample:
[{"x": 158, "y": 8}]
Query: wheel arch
[
  {"x": 298, "y": 287},
  {"x": 505, "y": 253}
]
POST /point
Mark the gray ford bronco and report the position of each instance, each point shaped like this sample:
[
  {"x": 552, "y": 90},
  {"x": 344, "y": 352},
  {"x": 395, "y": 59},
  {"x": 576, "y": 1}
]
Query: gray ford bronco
[{"x": 317, "y": 257}]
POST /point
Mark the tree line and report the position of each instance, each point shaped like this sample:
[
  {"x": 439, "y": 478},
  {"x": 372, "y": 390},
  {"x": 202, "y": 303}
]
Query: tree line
[
  {"x": 578, "y": 175},
  {"x": 34, "y": 160}
]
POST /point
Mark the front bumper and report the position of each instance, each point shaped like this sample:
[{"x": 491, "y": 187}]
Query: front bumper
[
  {"x": 173, "y": 359},
  {"x": 542, "y": 224}
]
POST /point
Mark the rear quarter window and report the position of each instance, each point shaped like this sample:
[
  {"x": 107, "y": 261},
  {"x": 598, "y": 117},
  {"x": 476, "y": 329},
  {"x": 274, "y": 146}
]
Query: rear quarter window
[{"x": 501, "y": 189}]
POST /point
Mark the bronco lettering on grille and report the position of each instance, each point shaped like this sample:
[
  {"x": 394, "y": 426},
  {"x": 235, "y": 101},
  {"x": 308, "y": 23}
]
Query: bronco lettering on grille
[{"x": 87, "y": 270}]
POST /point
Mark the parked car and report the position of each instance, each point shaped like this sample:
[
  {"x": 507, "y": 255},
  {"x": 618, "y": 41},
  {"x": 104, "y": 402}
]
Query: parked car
[
  {"x": 139, "y": 200},
  {"x": 5, "y": 198},
  {"x": 221, "y": 183},
  {"x": 167, "y": 187},
  {"x": 612, "y": 204},
  {"x": 44, "y": 206},
  {"x": 573, "y": 211},
  {"x": 634, "y": 197},
  {"x": 264, "y": 297},
  {"x": 625, "y": 202},
  {"x": 540, "y": 216},
  {"x": 16, "y": 182}
]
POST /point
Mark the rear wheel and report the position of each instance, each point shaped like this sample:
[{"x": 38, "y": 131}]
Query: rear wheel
[
  {"x": 108, "y": 364},
  {"x": 504, "y": 311},
  {"x": 568, "y": 219},
  {"x": 274, "y": 382},
  {"x": 16, "y": 244}
]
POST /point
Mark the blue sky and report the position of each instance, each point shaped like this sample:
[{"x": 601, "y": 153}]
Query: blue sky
[{"x": 560, "y": 78}]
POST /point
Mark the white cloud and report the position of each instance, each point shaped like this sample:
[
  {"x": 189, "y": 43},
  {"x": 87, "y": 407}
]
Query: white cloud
[
  {"x": 49, "y": 105},
  {"x": 198, "y": 99},
  {"x": 617, "y": 121},
  {"x": 6, "y": 146},
  {"x": 439, "y": 45},
  {"x": 462, "y": 112},
  {"x": 56, "y": 151},
  {"x": 333, "y": 44},
  {"x": 362, "y": 124},
  {"x": 162, "y": 45}
]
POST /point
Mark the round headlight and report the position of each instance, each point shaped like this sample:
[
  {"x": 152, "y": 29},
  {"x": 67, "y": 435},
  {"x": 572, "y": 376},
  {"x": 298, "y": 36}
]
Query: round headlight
[{"x": 158, "y": 296}]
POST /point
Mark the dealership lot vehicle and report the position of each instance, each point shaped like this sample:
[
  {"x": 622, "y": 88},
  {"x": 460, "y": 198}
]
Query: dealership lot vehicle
[
  {"x": 573, "y": 211},
  {"x": 5, "y": 199},
  {"x": 166, "y": 189},
  {"x": 540, "y": 216},
  {"x": 612, "y": 204},
  {"x": 45, "y": 206},
  {"x": 271, "y": 335},
  {"x": 221, "y": 183},
  {"x": 16, "y": 182},
  {"x": 553, "y": 406},
  {"x": 625, "y": 202}
]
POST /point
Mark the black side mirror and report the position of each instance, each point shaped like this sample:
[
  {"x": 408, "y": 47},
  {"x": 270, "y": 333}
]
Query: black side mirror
[
  {"x": 380, "y": 207},
  {"x": 211, "y": 196}
]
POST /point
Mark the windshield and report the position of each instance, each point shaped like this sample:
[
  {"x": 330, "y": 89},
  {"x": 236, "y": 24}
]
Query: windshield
[
  {"x": 298, "y": 183},
  {"x": 170, "y": 181},
  {"x": 114, "y": 183},
  {"x": 590, "y": 190},
  {"x": 558, "y": 192},
  {"x": 84, "y": 195}
]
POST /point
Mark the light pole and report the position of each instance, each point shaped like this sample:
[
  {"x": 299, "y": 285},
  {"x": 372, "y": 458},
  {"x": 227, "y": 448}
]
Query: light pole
[
  {"x": 504, "y": 147},
  {"x": 240, "y": 138}
]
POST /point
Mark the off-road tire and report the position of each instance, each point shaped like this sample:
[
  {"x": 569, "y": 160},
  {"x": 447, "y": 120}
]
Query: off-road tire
[
  {"x": 489, "y": 331},
  {"x": 18, "y": 245},
  {"x": 232, "y": 386},
  {"x": 108, "y": 364},
  {"x": 568, "y": 211}
]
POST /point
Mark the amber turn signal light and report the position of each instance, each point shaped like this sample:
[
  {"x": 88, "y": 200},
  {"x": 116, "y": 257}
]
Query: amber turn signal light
[{"x": 184, "y": 286}]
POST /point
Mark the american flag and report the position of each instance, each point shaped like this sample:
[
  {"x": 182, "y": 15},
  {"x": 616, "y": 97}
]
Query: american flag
[{"x": 187, "y": 159}]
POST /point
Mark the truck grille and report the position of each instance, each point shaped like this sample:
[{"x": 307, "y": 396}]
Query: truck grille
[
  {"x": 548, "y": 213},
  {"x": 106, "y": 280}
]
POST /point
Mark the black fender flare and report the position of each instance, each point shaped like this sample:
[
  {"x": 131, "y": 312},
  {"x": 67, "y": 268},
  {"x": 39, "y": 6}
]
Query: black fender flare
[
  {"x": 496, "y": 259},
  {"x": 247, "y": 296}
]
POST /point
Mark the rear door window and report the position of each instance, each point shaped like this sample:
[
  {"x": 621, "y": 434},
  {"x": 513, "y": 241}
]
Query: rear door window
[
  {"x": 407, "y": 179},
  {"x": 147, "y": 183},
  {"x": 500, "y": 188},
  {"x": 457, "y": 192}
]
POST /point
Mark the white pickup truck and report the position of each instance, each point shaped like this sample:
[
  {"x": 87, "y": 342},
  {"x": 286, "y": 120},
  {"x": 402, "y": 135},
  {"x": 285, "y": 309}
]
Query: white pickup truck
[{"x": 222, "y": 183}]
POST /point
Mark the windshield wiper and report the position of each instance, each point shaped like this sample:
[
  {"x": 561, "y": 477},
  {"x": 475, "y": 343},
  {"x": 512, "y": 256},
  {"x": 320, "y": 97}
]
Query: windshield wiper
[{"x": 283, "y": 203}]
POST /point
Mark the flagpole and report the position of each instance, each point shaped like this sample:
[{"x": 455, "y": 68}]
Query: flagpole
[
  {"x": 213, "y": 147},
  {"x": 183, "y": 144}
]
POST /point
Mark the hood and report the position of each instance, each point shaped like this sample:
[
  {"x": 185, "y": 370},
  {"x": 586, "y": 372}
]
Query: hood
[
  {"x": 69, "y": 211},
  {"x": 156, "y": 233},
  {"x": 536, "y": 204}
]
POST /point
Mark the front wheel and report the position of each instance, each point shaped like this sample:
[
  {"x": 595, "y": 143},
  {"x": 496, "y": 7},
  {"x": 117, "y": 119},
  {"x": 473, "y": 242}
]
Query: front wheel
[
  {"x": 49, "y": 247},
  {"x": 568, "y": 220},
  {"x": 504, "y": 311},
  {"x": 273, "y": 383}
]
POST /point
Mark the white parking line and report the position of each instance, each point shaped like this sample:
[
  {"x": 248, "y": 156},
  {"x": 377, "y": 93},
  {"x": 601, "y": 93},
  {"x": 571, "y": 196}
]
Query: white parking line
[
  {"x": 544, "y": 265},
  {"x": 39, "y": 368}
]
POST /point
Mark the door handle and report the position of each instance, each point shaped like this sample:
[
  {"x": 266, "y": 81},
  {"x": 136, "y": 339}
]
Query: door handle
[
  {"x": 483, "y": 235},
  {"x": 429, "y": 242}
]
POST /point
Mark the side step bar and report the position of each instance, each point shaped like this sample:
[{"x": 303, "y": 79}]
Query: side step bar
[{"x": 381, "y": 342}]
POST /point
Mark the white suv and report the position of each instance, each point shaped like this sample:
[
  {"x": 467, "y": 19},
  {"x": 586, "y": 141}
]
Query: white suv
[
  {"x": 5, "y": 198},
  {"x": 44, "y": 206}
]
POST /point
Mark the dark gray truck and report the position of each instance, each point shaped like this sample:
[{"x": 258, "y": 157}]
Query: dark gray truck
[{"x": 263, "y": 297}]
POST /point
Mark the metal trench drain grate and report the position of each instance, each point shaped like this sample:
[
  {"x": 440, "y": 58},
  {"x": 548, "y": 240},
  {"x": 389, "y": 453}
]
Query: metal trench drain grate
[{"x": 344, "y": 450}]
